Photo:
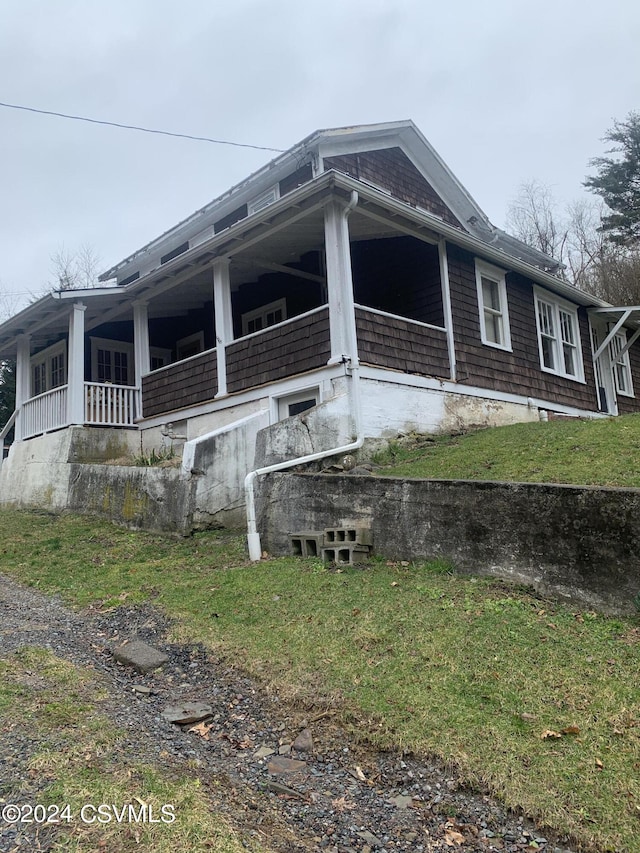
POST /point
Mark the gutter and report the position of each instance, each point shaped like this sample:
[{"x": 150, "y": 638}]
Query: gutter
[{"x": 253, "y": 537}]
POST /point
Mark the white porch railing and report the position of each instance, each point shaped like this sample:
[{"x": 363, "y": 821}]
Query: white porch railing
[
  {"x": 43, "y": 413},
  {"x": 110, "y": 405}
]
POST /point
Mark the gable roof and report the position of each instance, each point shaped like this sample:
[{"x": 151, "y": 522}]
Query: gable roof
[{"x": 312, "y": 152}]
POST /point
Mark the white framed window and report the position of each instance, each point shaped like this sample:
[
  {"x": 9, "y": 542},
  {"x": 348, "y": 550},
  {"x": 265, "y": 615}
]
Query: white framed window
[
  {"x": 263, "y": 200},
  {"x": 265, "y": 316},
  {"x": 191, "y": 345},
  {"x": 295, "y": 404},
  {"x": 111, "y": 361},
  {"x": 492, "y": 303},
  {"x": 620, "y": 365},
  {"x": 158, "y": 357},
  {"x": 558, "y": 336},
  {"x": 49, "y": 369}
]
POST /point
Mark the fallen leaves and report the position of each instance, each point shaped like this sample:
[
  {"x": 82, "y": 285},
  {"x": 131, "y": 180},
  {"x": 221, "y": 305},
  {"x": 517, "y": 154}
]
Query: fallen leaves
[
  {"x": 567, "y": 730},
  {"x": 341, "y": 804},
  {"x": 452, "y": 837},
  {"x": 202, "y": 730}
]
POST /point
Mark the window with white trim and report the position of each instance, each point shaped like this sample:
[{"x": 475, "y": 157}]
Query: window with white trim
[
  {"x": 111, "y": 361},
  {"x": 558, "y": 336},
  {"x": 189, "y": 346},
  {"x": 295, "y": 404},
  {"x": 492, "y": 302},
  {"x": 265, "y": 316},
  {"x": 49, "y": 369},
  {"x": 620, "y": 365}
]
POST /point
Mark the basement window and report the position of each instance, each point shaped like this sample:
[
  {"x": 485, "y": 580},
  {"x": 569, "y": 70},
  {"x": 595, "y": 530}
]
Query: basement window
[{"x": 295, "y": 404}]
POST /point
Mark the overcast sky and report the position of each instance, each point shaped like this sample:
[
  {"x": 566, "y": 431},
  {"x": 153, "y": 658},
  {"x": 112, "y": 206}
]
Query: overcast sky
[{"x": 505, "y": 90}]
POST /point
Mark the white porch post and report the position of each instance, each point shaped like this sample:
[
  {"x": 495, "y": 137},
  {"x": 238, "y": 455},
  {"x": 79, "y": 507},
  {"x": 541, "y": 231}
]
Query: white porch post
[
  {"x": 342, "y": 319},
  {"x": 75, "y": 382},
  {"x": 23, "y": 378},
  {"x": 448, "y": 313},
  {"x": 141, "y": 349},
  {"x": 224, "y": 319}
]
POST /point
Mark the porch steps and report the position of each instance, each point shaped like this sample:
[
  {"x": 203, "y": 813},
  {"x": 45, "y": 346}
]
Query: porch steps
[{"x": 340, "y": 546}]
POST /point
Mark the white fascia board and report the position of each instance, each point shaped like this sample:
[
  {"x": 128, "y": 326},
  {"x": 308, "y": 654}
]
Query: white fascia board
[{"x": 86, "y": 293}]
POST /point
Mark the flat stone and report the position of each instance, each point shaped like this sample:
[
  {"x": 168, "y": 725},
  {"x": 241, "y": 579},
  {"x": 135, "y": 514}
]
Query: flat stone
[
  {"x": 140, "y": 688},
  {"x": 187, "y": 712},
  {"x": 263, "y": 752},
  {"x": 370, "y": 838},
  {"x": 304, "y": 742},
  {"x": 140, "y": 656},
  {"x": 401, "y": 801},
  {"x": 280, "y": 764}
]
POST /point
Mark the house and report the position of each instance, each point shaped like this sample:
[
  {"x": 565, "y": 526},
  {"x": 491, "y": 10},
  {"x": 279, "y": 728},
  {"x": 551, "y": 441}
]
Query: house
[{"x": 350, "y": 289}]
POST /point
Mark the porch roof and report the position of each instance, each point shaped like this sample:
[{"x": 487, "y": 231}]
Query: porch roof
[
  {"x": 47, "y": 319},
  {"x": 262, "y": 238}
]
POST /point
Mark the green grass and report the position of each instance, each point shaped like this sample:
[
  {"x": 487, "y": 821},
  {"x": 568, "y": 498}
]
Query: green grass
[
  {"x": 583, "y": 452},
  {"x": 77, "y": 757},
  {"x": 411, "y": 656}
]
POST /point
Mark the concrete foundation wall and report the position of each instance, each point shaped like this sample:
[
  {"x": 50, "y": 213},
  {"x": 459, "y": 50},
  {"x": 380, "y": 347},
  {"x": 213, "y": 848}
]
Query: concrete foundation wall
[
  {"x": 146, "y": 498},
  {"x": 324, "y": 427},
  {"x": 581, "y": 544},
  {"x": 37, "y": 472},
  {"x": 216, "y": 465}
]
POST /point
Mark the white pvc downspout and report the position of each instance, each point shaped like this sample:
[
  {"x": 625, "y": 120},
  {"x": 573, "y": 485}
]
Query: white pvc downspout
[{"x": 253, "y": 537}]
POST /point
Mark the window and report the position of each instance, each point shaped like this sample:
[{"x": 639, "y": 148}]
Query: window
[
  {"x": 191, "y": 345},
  {"x": 49, "y": 369},
  {"x": 620, "y": 365},
  {"x": 111, "y": 361},
  {"x": 159, "y": 357},
  {"x": 262, "y": 318},
  {"x": 263, "y": 200},
  {"x": 295, "y": 404},
  {"x": 492, "y": 302},
  {"x": 558, "y": 336}
]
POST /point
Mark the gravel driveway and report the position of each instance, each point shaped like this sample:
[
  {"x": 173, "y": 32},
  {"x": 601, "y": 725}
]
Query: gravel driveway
[{"x": 326, "y": 793}]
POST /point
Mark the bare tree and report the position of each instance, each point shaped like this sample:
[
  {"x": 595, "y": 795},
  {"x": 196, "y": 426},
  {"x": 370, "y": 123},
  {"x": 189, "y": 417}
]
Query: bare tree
[
  {"x": 76, "y": 270},
  {"x": 7, "y": 305},
  {"x": 533, "y": 218}
]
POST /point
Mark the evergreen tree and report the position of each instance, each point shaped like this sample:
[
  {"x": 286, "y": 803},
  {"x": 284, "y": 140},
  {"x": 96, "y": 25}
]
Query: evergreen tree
[
  {"x": 7, "y": 393},
  {"x": 618, "y": 181}
]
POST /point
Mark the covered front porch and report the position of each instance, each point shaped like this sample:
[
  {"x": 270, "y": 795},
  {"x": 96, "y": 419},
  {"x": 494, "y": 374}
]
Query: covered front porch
[{"x": 324, "y": 277}]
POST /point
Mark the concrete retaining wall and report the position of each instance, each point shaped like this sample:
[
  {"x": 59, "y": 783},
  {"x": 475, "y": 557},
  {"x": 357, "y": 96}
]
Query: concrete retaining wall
[
  {"x": 147, "y": 498},
  {"x": 582, "y": 544}
]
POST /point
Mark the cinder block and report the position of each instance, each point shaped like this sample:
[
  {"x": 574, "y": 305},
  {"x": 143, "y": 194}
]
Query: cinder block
[
  {"x": 306, "y": 544},
  {"x": 334, "y": 536},
  {"x": 345, "y": 554}
]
